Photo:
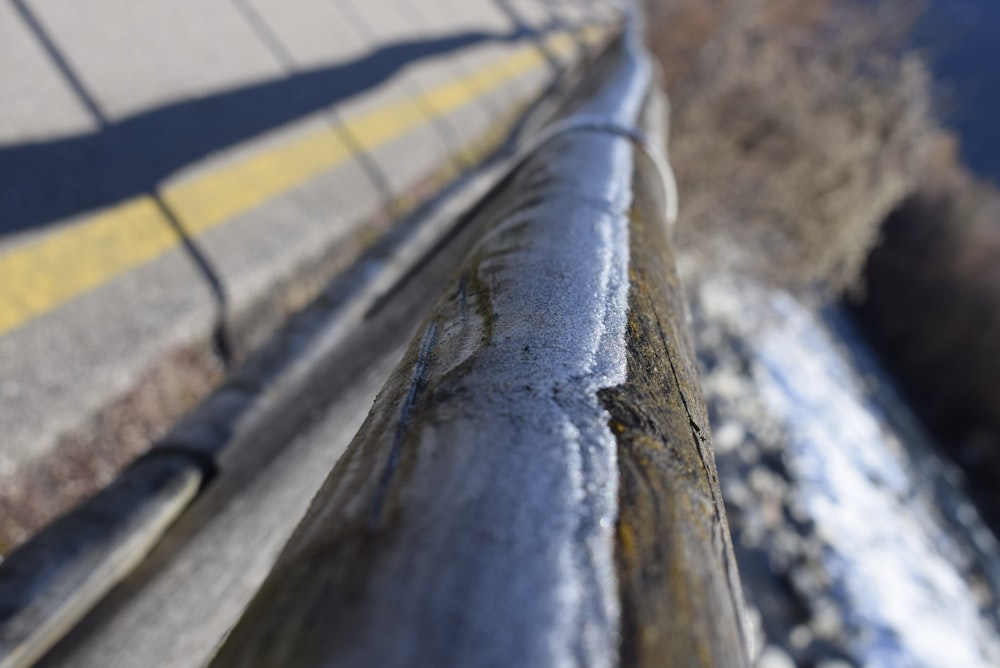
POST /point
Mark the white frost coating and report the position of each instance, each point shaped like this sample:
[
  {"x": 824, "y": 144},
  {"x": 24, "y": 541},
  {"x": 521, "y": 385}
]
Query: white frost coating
[
  {"x": 504, "y": 553},
  {"x": 620, "y": 101},
  {"x": 516, "y": 481},
  {"x": 887, "y": 553}
]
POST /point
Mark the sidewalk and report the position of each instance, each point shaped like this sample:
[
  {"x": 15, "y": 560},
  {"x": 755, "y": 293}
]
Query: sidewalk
[{"x": 182, "y": 175}]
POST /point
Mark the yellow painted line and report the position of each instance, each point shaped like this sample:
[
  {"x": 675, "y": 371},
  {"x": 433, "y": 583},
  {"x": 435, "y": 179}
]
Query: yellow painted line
[{"x": 40, "y": 276}]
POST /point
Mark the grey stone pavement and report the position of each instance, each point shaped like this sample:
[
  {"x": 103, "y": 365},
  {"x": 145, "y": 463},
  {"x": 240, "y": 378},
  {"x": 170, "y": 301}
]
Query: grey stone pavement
[
  {"x": 167, "y": 167},
  {"x": 180, "y": 173}
]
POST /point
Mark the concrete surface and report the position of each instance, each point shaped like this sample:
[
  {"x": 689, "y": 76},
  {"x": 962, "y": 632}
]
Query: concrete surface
[{"x": 165, "y": 165}]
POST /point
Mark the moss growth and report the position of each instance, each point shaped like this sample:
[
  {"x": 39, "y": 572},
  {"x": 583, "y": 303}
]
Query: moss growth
[{"x": 478, "y": 290}]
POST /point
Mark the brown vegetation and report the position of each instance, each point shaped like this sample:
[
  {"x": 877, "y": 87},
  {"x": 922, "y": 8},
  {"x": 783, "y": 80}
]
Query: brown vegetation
[{"x": 795, "y": 130}]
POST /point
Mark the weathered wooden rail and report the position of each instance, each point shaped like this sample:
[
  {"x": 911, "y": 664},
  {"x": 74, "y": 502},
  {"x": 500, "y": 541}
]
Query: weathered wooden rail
[{"x": 534, "y": 485}]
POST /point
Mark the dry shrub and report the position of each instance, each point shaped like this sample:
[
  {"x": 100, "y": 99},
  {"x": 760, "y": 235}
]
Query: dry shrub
[{"x": 796, "y": 128}]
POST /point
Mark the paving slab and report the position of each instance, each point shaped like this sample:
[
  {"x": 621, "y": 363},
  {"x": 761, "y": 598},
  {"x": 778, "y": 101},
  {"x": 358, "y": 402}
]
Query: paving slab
[
  {"x": 37, "y": 101},
  {"x": 64, "y": 365},
  {"x": 133, "y": 56}
]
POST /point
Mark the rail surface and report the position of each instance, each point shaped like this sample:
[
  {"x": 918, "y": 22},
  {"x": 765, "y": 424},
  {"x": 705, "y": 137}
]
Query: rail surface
[{"x": 534, "y": 485}]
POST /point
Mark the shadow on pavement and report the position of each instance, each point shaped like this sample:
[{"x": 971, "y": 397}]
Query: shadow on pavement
[{"x": 43, "y": 182}]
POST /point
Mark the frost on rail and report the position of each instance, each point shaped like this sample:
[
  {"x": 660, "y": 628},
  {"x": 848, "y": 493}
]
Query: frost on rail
[{"x": 534, "y": 485}]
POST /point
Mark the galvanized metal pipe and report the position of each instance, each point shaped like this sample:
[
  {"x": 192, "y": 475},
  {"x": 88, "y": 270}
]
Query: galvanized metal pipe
[{"x": 534, "y": 485}]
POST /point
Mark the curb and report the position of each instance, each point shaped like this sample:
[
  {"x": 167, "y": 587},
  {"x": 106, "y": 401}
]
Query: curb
[{"x": 51, "y": 582}]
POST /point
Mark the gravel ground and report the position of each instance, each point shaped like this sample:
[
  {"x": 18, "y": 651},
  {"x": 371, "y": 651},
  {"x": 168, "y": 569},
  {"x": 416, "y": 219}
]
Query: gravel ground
[{"x": 894, "y": 567}]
